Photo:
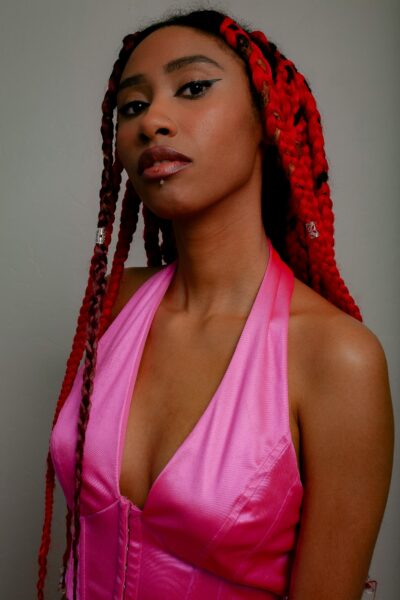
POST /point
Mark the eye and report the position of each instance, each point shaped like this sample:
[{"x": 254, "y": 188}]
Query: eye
[
  {"x": 124, "y": 110},
  {"x": 197, "y": 86},
  {"x": 198, "y": 89}
]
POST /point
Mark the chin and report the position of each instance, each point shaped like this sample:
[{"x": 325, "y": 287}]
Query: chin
[
  {"x": 177, "y": 205},
  {"x": 170, "y": 207}
]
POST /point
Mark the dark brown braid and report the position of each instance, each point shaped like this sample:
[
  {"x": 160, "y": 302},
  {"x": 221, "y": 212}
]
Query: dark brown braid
[
  {"x": 87, "y": 329},
  {"x": 106, "y": 215},
  {"x": 168, "y": 246},
  {"x": 151, "y": 238},
  {"x": 128, "y": 223}
]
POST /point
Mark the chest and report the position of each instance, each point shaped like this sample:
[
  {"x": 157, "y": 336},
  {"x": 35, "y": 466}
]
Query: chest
[{"x": 181, "y": 368}]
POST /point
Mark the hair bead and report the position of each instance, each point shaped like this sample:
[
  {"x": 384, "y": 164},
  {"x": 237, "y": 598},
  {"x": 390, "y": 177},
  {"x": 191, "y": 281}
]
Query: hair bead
[
  {"x": 100, "y": 235},
  {"x": 312, "y": 229}
]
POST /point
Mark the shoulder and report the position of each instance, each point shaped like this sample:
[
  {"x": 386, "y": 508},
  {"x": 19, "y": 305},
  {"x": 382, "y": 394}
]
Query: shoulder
[
  {"x": 337, "y": 351},
  {"x": 340, "y": 363},
  {"x": 343, "y": 400},
  {"x": 347, "y": 437},
  {"x": 132, "y": 278}
]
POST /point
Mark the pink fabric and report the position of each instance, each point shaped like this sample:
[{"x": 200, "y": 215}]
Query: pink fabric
[{"x": 221, "y": 520}]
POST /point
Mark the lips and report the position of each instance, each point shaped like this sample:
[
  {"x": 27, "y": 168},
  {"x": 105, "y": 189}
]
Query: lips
[{"x": 160, "y": 153}]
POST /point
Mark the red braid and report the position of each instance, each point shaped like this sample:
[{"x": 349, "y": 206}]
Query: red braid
[
  {"x": 293, "y": 123},
  {"x": 87, "y": 330},
  {"x": 128, "y": 224}
]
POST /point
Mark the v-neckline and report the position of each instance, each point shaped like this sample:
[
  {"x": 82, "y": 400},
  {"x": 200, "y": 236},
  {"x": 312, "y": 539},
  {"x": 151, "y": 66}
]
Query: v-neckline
[{"x": 131, "y": 384}]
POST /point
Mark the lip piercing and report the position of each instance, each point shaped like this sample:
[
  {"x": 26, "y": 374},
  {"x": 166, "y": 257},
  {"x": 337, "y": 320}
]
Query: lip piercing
[{"x": 161, "y": 181}]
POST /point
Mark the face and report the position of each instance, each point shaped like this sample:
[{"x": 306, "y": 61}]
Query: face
[{"x": 199, "y": 108}]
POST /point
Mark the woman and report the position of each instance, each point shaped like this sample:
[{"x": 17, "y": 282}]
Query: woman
[{"x": 254, "y": 460}]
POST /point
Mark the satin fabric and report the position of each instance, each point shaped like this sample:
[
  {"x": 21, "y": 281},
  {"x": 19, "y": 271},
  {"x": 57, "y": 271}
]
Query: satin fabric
[{"x": 221, "y": 520}]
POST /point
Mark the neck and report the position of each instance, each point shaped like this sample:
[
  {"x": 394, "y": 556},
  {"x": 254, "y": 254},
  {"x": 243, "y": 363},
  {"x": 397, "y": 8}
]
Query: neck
[{"x": 222, "y": 257}]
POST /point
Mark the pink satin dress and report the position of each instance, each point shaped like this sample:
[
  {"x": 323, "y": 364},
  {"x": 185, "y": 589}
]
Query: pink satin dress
[{"x": 221, "y": 520}]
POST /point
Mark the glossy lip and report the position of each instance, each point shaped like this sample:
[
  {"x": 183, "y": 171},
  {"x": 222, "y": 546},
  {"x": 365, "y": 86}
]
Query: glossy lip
[
  {"x": 155, "y": 153},
  {"x": 164, "y": 170}
]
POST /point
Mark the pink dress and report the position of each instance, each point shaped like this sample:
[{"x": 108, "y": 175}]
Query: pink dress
[{"x": 221, "y": 520}]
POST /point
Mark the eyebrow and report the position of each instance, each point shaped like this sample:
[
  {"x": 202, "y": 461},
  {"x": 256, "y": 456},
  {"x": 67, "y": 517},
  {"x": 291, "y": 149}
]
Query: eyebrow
[{"x": 170, "y": 67}]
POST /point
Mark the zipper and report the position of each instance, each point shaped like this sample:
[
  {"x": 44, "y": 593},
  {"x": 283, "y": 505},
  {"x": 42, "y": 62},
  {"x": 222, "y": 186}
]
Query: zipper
[{"x": 126, "y": 551}]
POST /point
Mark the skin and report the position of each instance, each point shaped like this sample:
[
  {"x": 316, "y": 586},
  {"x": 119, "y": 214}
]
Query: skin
[{"x": 341, "y": 416}]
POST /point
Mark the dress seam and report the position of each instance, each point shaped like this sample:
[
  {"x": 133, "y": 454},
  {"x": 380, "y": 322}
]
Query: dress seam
[
  {"x": 245, "y": 498},
  {"x": 276, "y": 516}
]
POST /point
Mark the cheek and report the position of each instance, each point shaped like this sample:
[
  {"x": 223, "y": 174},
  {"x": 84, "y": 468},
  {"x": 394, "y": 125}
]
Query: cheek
[
  {"x": 229, "y": 139},
  {"x": 123, "y": 145}
]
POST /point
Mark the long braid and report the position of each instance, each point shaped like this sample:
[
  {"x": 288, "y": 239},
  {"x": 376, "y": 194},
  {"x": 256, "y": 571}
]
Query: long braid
[
  {"x": 90, "y": 308},
  {"x": 99, "y": 287},
  {"x": 105, "y": 220},
  {"x": 106, "y": 215},
  {"x": 168, "y": 245},
  {"x": 128, "y": 224},
  {"x": 70, "y": 374},
  {"x": 117, "y": 170},
  {"x": 150, "y": 236},
  {"x": 65, "y": 558}
]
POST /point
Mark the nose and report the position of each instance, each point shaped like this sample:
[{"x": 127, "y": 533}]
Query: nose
[{"x": 156, "y": 121}]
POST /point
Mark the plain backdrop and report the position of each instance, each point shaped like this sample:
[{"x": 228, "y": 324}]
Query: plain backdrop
[{"x": 56, "y": 58}]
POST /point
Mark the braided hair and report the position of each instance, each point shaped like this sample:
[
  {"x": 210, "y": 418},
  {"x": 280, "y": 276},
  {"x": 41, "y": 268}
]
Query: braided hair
[{"x": 296, "y": 212}]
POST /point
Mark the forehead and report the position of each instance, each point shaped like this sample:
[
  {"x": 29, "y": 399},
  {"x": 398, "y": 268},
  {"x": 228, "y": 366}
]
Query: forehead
[{"x": 175, "y": 41}]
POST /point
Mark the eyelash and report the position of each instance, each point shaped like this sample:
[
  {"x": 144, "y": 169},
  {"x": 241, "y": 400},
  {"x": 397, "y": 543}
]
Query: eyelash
[{"x": 206, "y": 83}]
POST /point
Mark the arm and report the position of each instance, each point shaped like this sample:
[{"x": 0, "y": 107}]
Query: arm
[{"x": 347, "y": 437}]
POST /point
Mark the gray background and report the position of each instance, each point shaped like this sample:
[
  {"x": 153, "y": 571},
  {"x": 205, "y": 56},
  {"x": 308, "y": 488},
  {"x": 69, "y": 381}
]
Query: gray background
[{"x": 56, "y": 59}]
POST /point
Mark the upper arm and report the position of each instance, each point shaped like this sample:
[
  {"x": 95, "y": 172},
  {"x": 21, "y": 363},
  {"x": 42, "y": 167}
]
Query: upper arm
[{"x": 347, "y": 438}]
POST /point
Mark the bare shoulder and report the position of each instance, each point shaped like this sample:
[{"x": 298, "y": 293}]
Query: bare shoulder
[
  {"x": 131, "y": 280},
  {"x": 341, "y": 365},
  {"x": 346, "y": 426},
  {"x": 336, "y": 348}
]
